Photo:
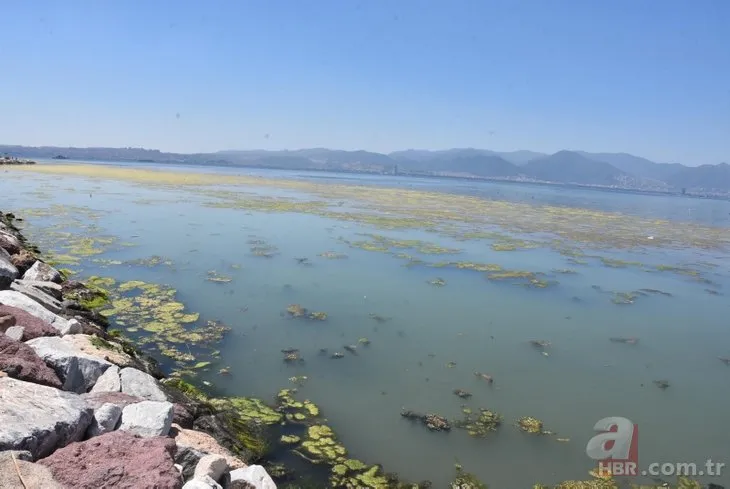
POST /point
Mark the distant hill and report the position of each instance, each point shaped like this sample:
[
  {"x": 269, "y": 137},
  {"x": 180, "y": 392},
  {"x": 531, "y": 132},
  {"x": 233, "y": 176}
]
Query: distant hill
[
  {"x": 704, "y": 177},
  {"x": 482, "y": 165},
  {"x": 515, "y": 157},
  {"x": 571, "y": 167},
  {"x": 635, "y": 165},
  {"x": 579, "y": 167}
]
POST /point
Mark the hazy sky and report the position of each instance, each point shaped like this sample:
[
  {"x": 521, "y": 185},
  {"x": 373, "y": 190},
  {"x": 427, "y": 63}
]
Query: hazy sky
[{"x": 648, "y": 77}]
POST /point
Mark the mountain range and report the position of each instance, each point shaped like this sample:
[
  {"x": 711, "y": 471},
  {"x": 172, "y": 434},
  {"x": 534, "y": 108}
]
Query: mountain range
[{"x": 617, "y": 170}]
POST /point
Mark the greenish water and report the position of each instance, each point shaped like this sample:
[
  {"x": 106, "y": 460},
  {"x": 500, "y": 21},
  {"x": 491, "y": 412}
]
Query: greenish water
[{"x": 481, "y": 325}]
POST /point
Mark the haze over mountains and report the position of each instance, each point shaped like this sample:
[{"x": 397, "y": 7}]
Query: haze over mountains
[{"x": 617, "y": 170}]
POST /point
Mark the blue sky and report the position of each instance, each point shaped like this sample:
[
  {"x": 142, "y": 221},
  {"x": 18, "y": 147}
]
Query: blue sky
[{"x": 650, "y": 78}]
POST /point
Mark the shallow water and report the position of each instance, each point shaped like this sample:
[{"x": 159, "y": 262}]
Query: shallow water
[{"x": 479, "y": 324}]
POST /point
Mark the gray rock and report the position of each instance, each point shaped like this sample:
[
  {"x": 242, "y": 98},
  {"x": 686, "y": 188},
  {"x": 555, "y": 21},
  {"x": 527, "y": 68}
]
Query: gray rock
[
  {"x": 77, "y": 370},
  {"x": 21, "y": 301},
  {"x": 34, "y": 476},
  {"x": 8, "y": 272},
  {"x": 147, "y": 418},
  {"x": 11, "y": 243},
  {"x": 20, "y": 455},
  {"x": 109, "y": 381},
  {"x": 202, "y": 483},
  {"x": 43, "y": 272},
  {"x": 50, "y": 288},
  {"x": 213, "y": 466},
  {"x": 15, "y": 332},
  {"x": 39, "y": 418},
  {"x": 45, "y": 300},
  {"x": 253, "y": 475},
  {"x": 141, "y": 384},
  {"x": 105, "y": 420},
  {"x": 72, "y": 326},
  {"x": 187, "y": 458}
]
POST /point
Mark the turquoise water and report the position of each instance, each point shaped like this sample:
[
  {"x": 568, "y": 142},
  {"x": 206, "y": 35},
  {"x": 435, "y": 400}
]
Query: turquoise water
[{"x": 480, "y": 325}]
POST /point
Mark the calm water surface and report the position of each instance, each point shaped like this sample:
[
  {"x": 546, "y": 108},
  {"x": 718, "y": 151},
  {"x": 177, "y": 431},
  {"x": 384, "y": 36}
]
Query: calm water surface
[{"x": 480, "y": 325}]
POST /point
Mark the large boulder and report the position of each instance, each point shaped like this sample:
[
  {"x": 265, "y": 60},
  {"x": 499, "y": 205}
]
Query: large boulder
[
  {"x": 105, "y": 419},
  {"x": 109, "y": 381},
  {"x": 21, "y": 301},
  {"x": 205, "y": 482},
  {"x": 50, "y": 288},
  {"x": 147, "y": 418},
  {"x": 197, "y": 441},
  {"x": 8, "y": 271},
  {"x": 77, "y": 370},
  {"x": 95, "y": 400},
  {"x": 39, "y": 418},
  {"x": 43, "y": 272},
  {"x": 33, "y": 327},
  {"x": 99, "y": 347},
  {"x": 41, "y": 297},
  {"x": 213, "y": 466},
  {"x": 252, "y": 476},
  {"x": 23, "y": 260},
  {"x": 141, "y": 384},
  {"x": 20, "y": 474},
  {"x": 116, "y": 459},
  {"x": 10, "y": 243},
  {"x": 20, "y": 361}
]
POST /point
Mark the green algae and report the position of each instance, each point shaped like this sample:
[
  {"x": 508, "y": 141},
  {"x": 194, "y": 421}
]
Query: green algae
[
  {"x": 290, "y": 439},
  {"x": 163, "y": 321},
  {"x": 438, "y": 282},
  {"x": 297, "y": 311},
  {"x": 332, "y": 255},
  {"x": 186, "y": 388},
  {"x": 248, "y": 409},
  {"x": 480, "y": 424},
  {"x": 465, "y": 480},
  {"x": 150, "y": 262},
  {"x": 528, "y": 424},
  {"x": 216, "y": 277}
]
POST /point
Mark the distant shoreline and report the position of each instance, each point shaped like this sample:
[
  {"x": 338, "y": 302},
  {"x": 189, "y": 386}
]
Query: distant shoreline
[{"x": 576, "y": 186}]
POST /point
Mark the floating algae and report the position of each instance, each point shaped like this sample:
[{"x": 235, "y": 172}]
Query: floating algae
[
  {"x": 528, "y": 424},
  {"x": 438, "y": 282},
  {"x": 150, "y": 262},
  {"x": 480, "y": 424},
  {"x": 433, "y": 422},
  {"x": 466, "y": 480},
  {"x": 297, "y": 311},
  {"x": 216, "y": 277},
  {"x": 332, "y": 255},
  {"x": 163, "y": 321}
]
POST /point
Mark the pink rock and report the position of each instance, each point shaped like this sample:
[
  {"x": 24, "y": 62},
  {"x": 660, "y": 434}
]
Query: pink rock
[
  {"x": 116, "y": 460},
  {"x": 34, "y": 327},
  {"x": 20, "y": 361}
]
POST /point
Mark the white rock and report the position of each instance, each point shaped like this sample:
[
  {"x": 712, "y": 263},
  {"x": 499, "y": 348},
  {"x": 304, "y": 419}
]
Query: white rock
[
  {"x": 202, "y": 483},
  {"x": 109, "y": 381},
  {"x": 72, "y": 326},
  {"x": 15, "y": 332},
  {"x": 38, "y": 418},
  {"x": 105, "y": 419},
  {"x": 42, "y": 298},
  {"x": 77, "y": 370},
  {"x": 254, "y": 475},
  {"x": 147, "y": 418},
  {"x": 214, "y": 466},
  {"x": 8, "y": 272},
  {"x": 141, "y": 384},
  {"x": 43, "y": 272},
  {"x": 21, "y": 301},
  {"x": 50, "y": 288}
]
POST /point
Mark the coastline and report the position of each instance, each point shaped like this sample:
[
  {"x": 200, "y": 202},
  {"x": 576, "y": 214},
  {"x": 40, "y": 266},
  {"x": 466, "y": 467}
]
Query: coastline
[{"x": 69, "y": 387}]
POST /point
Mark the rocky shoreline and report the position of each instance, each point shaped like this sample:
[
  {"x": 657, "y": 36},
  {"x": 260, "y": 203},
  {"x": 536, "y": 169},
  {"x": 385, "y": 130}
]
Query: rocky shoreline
[
  {"x": 82, "y": 407},
  {"x": 11, "y": 160}
]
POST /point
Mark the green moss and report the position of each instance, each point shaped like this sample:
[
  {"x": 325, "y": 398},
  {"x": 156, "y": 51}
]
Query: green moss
[{"x": 186, "y": 388}]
